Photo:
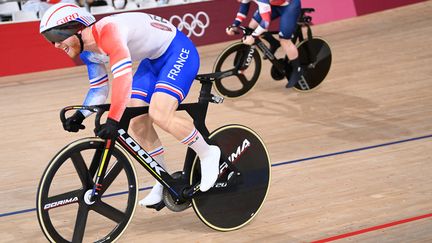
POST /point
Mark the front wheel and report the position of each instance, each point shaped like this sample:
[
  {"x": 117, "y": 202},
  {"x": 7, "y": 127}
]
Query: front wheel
[
  {"x": 315, "y": 57},
  {"x": 245, "y": 63},
  {"x": 231, "y": 205},
  {"x": 64, "y": 209}
]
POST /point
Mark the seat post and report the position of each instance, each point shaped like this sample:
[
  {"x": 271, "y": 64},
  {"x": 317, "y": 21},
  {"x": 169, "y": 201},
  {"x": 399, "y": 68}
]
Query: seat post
[{"x": 205, "y": 92}]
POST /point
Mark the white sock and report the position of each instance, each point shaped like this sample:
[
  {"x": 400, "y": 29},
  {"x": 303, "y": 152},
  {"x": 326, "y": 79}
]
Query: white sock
[
  {"x": 209, "y": 156},
  {"x": 155, "y": 195}
]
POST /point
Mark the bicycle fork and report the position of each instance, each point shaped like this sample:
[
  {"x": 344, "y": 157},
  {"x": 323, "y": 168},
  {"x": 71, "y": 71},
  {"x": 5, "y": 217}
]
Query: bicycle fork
[
  {"x": 244, "y": 60},
  {"x": 103, "y": 164}
]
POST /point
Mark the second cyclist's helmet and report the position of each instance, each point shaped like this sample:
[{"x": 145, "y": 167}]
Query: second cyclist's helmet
[{"x": 63, "y": 20}]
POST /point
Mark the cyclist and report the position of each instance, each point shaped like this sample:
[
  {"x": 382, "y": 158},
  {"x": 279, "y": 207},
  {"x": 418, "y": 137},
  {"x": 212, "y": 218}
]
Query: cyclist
[
  {"x": 168, "y": 64},
  {"x": 288, "y": 11}
]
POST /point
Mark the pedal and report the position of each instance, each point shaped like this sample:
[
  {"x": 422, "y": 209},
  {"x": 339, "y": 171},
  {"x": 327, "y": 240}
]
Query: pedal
[
  {"x": 217, "y": 99},
  {"x": 303, "y": 84},
  {"x": 157, "y": 206},
  {"x": 234, "y": 179}
]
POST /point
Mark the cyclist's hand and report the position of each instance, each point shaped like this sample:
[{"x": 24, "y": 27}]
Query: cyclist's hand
[
  {"x": 232, "y": 30},
  {"x": 248, "y": 40},
  {"x": 108, "y": 130},
  {"x": 74, "y": 123}
]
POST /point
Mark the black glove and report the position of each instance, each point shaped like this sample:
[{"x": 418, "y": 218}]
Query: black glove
[
  {"x": 74, "y": 123},
  {"x": 109, "y": 130},
  {"x": 233, "y": 28}
]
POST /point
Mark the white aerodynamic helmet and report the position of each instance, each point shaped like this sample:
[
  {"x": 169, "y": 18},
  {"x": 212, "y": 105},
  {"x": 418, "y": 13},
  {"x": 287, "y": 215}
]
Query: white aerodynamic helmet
[{"x": 63, "y": 20}]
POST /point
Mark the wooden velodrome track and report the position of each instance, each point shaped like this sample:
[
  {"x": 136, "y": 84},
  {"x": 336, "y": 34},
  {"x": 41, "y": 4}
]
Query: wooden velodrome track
[{"x": 351, "y": 161}]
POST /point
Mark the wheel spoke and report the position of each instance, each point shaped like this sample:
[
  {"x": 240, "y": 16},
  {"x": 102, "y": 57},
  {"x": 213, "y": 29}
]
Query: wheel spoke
[
  {"x": 243, "y": 79},
  {"x": 62, "y": 199},
  {"x": 229, "y": 72},
  {"x": 110, "y": 176},
  {"x": 80, "y": 223},
  {"x": 81, "y": 168},
  {"x": 109, "y": 212}
]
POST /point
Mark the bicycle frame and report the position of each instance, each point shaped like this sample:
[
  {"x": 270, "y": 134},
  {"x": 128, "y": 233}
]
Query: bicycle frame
[{"x": 198, "y": 111}]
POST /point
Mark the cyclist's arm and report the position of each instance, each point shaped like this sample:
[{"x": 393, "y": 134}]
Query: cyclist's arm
[
  {"x": 113, "y": 42},
  {"x": 264, "y": 9},
  {"x": 242, "y": 13},
  {"x": 98, "y": 78}
]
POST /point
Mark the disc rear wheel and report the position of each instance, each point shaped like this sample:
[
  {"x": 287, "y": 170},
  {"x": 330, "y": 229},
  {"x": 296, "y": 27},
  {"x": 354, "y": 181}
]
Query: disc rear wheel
[
  {"x": 315, "y": 58},
  {"x": 231, "y": 205}
]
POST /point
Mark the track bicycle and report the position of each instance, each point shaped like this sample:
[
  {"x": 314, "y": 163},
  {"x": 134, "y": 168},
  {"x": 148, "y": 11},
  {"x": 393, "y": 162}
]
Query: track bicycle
[
  {"x": 88, "y": 192},
  {"x": 243, "y": 62}
]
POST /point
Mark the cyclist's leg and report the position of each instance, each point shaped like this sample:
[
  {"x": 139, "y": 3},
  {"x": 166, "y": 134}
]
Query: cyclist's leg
[
  {"x": 274, "y": 43},
  {"x": 288, "y": 24},
  {"x": 256, "y": 18},
  {"x": 180, "y": 66},
  {"x": 142, "y": 89},
  {"x": 142, "y": 126},
  {"x": 155, "y": 195}
]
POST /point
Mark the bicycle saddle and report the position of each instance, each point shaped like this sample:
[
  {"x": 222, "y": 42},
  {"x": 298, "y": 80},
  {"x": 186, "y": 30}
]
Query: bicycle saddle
[{"x": 210, "y": 77}]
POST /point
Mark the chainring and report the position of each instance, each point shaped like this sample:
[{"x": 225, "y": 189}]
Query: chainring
[
  {"x": 170, "y": 203},
  {"x": 277, "y": 74}
]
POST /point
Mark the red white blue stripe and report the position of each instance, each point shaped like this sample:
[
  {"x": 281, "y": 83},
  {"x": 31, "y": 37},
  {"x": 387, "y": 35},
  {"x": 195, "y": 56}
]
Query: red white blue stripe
[
  {"x": 99, "y": 81},
  {"x": 139, "y": 93},
  {"x": 84, "y": 20},
  {"x": 240, "y": 17},
  {"x": 191, "y": 137},
  {"x": 157, "y": 151},
  {"x": 170, "y": 87},
  {"x": 121, "y": 67}
]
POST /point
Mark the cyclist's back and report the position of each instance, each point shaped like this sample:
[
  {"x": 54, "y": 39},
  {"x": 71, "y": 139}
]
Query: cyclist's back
[{"x": 133, "y": 29}]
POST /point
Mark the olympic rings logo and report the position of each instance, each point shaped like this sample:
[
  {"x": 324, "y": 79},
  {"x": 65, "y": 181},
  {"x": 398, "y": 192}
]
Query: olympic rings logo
[{"x": 195, "y": 25}]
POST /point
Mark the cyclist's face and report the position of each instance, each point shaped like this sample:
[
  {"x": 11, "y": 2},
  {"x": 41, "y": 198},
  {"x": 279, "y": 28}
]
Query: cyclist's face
[{"x": 71, "y": 46}]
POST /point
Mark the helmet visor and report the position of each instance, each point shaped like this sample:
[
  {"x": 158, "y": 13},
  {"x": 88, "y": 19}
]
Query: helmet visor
[{"x": 62, "y": 32}]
